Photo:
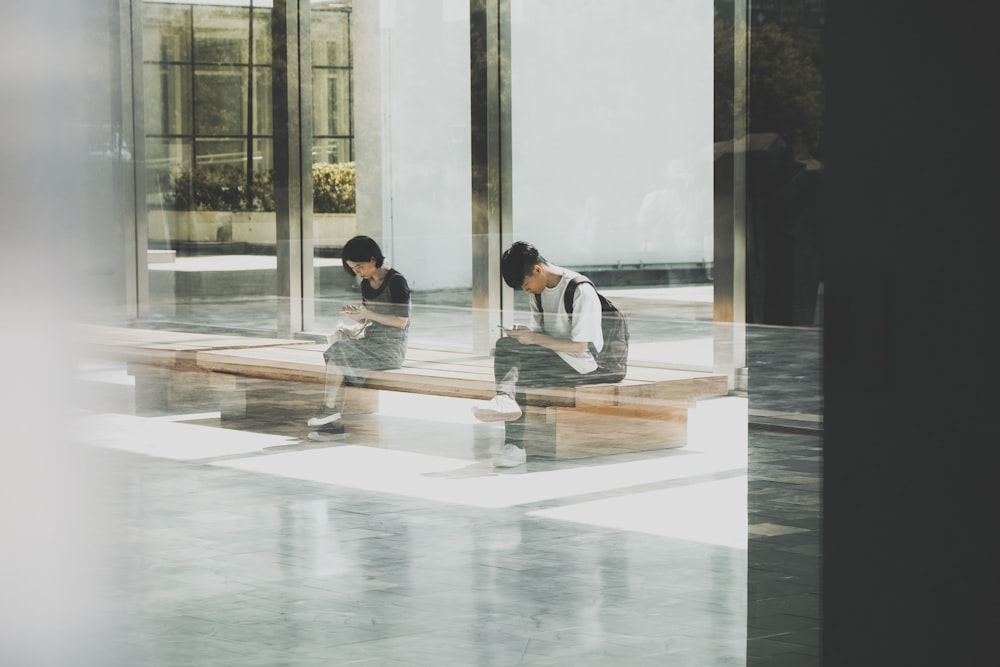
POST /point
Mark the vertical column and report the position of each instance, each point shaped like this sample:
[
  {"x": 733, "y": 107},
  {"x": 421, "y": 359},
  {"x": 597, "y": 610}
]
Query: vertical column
[
  {"x": 370, "y": 58},
  {"x": 490, "y": 123},
  {"x": 729, "y": 257},
  {"x": 292, "y": 95},
  {"x": 130, "y": 179}
]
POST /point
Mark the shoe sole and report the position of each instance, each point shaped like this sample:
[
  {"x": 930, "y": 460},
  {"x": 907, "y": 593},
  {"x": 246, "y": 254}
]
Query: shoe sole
[
  {"x": 319, "y": 436},
  {"x": 491, "y": 416},
  {"x": 507, "y": 464}
]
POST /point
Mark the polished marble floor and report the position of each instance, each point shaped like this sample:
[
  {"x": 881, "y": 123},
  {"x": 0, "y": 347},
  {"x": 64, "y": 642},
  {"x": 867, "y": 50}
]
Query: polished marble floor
[
  {"x": 244, "y": 543},
  {"x": 403, "y": 545}
]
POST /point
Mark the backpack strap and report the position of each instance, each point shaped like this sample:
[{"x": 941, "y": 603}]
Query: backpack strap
[
  {"x": 567, "y": 295},
  {"x": 571, "y": 290},
  {"x": 568, "y": 305}
]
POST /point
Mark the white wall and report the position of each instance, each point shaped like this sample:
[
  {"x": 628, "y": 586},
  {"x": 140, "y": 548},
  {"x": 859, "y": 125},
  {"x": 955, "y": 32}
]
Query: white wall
[
  {"x": 415, "y": 53},
  {"x": 612, "y": 132},
  {"x": 608, "y": 97}
]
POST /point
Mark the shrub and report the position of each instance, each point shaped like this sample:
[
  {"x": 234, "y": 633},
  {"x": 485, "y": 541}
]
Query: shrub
[
  {"x": 333, "y": 187},
  {"x": 224, "y": 188},
  {"x": 220, "y": 188}
]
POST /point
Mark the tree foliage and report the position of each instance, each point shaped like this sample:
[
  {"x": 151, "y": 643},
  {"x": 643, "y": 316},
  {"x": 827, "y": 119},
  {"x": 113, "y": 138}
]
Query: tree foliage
[{"x": 784, "y": 87}]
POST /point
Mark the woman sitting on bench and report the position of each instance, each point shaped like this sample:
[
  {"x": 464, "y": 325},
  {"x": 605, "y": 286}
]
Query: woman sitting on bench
[{"x": 379, "y": 341}]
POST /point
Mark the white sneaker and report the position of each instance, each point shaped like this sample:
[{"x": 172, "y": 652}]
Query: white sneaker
[
  {"x": 509, "y": 457},
  {"x": 500, "y": 408},
  {"x": 325, "y": 415}
]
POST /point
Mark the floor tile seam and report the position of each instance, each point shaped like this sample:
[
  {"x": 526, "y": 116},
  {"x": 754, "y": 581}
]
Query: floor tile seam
[
  {"x": 809, "y": 471},
  {"x": 625, "y": 491},
  {"x": 754, "y": 411},
  {"x": 784, "y": 426}
]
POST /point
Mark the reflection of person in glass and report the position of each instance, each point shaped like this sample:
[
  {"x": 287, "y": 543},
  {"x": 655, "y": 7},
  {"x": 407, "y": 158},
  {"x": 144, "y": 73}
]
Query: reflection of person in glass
[
  {"x": 668, "y": 217},
  {"x": 378, "y": 339},
  {"x": 555, "y": 351}
]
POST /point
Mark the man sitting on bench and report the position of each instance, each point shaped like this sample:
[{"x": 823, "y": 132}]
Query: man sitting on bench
[{"x": 555, "y": 351}]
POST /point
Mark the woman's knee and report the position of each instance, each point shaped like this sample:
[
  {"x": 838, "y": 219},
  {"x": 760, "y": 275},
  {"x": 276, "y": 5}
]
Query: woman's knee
[
  {"x": 330, "y": 354},
  {"x": 339, "y": 353}
]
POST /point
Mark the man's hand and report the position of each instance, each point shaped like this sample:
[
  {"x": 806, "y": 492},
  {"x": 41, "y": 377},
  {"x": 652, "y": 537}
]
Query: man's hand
[{"x": 520, "y": 333}]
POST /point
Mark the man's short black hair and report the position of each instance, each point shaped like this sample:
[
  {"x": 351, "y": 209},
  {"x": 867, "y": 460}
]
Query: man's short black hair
[
  {"x": 518, "y": 261},
  {"x": 361, "y": 249}
]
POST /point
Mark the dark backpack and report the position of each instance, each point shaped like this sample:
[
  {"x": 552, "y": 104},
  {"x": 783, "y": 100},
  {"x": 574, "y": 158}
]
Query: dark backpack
[{"x": 613, "y": 357}]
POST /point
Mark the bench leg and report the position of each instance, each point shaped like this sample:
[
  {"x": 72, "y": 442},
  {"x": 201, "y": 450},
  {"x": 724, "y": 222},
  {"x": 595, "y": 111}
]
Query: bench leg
[
  {"x": 360, "y": 401},
  {"x": 151, "y": 389},
  {"x": 243, "y": 398},
  {"x": 162, "y": 390},
  {"x": 233, "y": 403},
  {"x": 575, "y": 432}
]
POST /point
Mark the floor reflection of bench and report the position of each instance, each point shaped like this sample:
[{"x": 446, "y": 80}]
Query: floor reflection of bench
[{"x": 247, "y": 376}]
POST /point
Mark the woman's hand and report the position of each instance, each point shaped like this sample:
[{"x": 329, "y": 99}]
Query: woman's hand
[{"x": 355, "y": 312}]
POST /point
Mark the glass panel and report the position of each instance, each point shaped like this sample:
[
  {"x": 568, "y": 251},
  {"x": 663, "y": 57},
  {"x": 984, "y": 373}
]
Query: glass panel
[
  {"x": 262, "y": 193},
  {"x": 220, "y": 100},
  {"x": 332, "y": 150},
  {"x": 166, "y": 188},
  {"x": 331, "y": 102},
  {"x": 261, "y": 35},
  {"x": 409, "y": 158},
  {"x": 210, "y": 196},
  {"x": 221, "y": 34},
  {"x": 330, "y": 38},
  {"x": 612, "y": 169},
  {"x": 263, "y": 115},
  {"x": 166, "y": 33},
  {"x": 220, "y": 152},
  {"x": 168, "y": 99}
]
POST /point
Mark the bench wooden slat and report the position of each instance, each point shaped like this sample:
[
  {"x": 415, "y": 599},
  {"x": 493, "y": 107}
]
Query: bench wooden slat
[
  {"x": 463, "y": 376},
  {"x": 238, "y": 364},
  {"x": 647, "y": 410}
]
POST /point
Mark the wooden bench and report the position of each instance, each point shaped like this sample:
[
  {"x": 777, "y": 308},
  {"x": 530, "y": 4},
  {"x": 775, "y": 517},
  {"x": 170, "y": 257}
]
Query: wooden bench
[
  {"x": 647, "y": 410},
  {"x": 164, "y": 363}
]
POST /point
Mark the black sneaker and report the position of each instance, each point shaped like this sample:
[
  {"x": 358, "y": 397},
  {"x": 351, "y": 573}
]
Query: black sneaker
[{"x": 328, "y": 432}]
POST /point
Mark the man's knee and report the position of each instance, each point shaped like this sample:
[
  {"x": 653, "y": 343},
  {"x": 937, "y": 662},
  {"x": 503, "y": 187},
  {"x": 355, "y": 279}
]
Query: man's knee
[
  {"x": 507, "y": 350},
  {"x": 507, "y": 344}
]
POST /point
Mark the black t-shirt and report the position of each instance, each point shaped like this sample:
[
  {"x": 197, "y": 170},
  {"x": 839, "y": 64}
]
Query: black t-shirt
[{"x": 391, "y": 298}]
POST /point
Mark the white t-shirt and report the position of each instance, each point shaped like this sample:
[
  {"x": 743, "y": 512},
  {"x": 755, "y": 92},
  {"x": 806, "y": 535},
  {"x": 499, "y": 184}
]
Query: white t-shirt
[{"x": 586, "y": 321}]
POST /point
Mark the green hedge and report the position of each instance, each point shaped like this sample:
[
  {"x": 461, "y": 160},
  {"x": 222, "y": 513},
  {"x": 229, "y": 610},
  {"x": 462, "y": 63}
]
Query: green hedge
[
  {"x": 333, "y": 187},
  {"x": 225, "y": 188}
]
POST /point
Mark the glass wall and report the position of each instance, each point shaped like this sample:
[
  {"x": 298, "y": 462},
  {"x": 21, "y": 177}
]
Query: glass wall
[
  {"x": 206, "y": 82},
  {"x": 406, "y": 105},
  {"x": 612, "y": 141},
  {"x": 332, "y": 159},
  {"x": 388, "y": 154},
  {"x": 610, "y": 127},
  {"x": 619, "y": 118}
]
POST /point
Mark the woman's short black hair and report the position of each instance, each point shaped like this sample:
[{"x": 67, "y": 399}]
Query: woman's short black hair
[
  {"x": 361, "y": 249},
  {"x": 518, "y": 261}
]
